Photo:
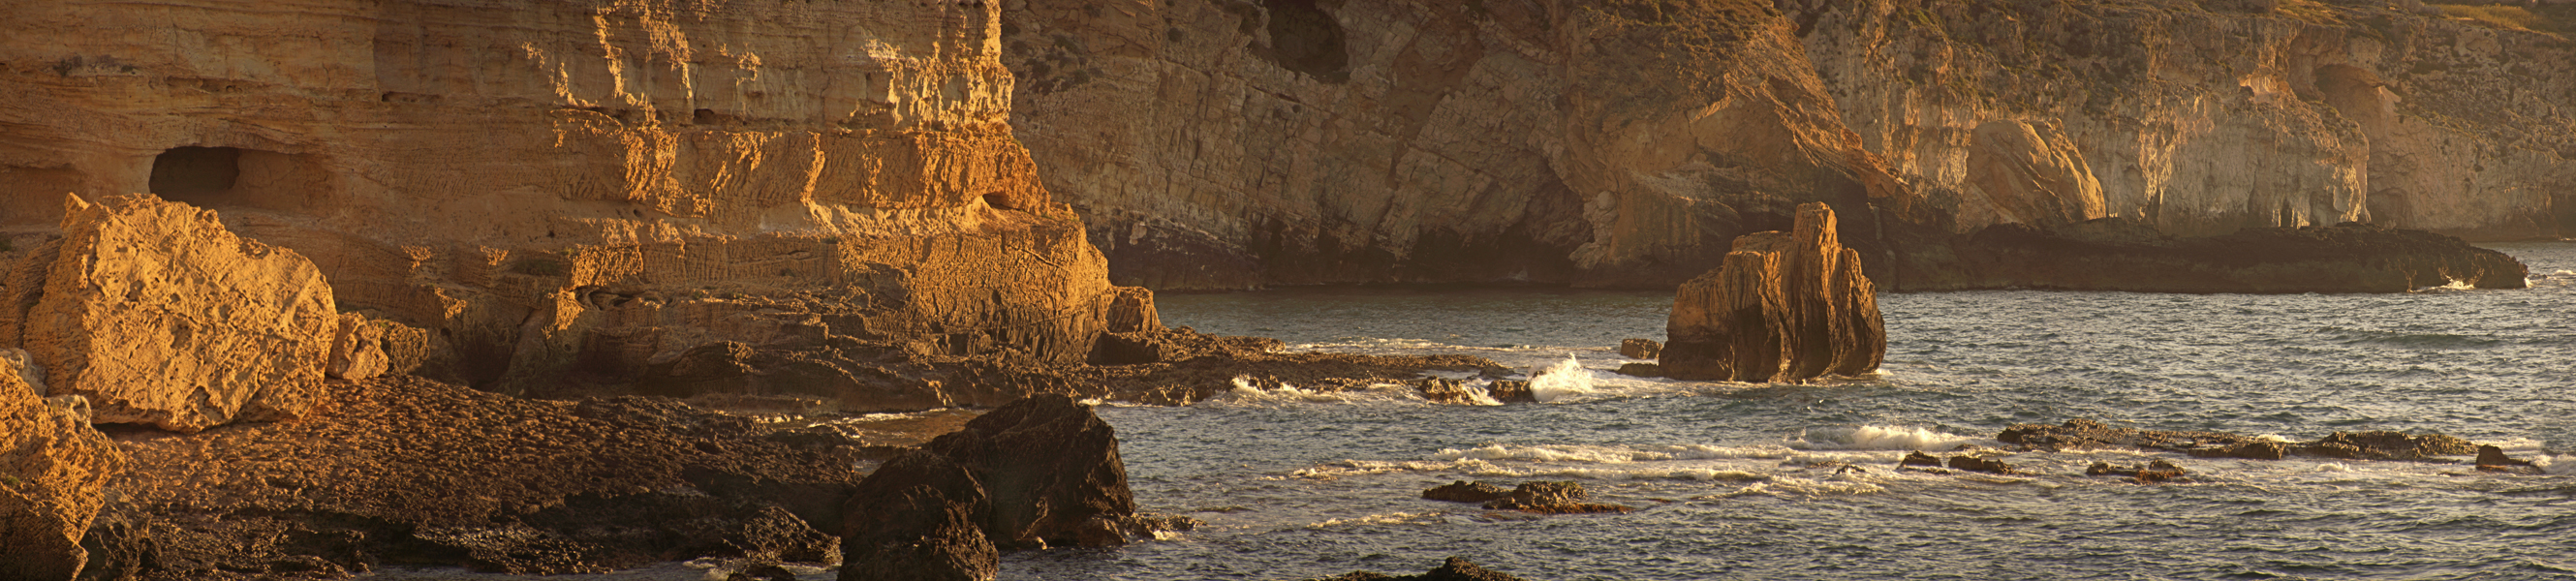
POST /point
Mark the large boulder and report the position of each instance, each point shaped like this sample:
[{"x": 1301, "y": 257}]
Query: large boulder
[
  {"x": 1041, "y": 471},
  {"x": 52, "y": 467},
  {"x": 1049, "y": 464},
  {"x": 920, "y": 517},
  {"x": 160, "y": 316},
  {"x": 1787, "y": 306}
]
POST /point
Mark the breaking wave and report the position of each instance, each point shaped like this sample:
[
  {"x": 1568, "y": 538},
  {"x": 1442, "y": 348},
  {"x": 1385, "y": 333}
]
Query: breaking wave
[
  {"x": 1562, "y": 381},
  {"x": 1882, "y": 438}
]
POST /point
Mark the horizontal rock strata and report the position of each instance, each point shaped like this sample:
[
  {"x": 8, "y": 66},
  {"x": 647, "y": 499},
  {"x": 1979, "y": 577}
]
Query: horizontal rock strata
[{"x": 2118, "y": 254}]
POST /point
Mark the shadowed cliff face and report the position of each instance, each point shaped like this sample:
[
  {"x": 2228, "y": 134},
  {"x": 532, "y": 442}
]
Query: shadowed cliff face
[
  {"x": 2201, "y": 120},
  {"x": 561, "y": 186},
  {"x": 1228, "y": 143}
]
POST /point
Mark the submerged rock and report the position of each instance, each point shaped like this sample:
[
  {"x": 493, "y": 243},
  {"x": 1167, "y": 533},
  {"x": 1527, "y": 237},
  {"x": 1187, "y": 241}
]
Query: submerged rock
[
  {"x": 1919, "y": 459},
  {"x": 2388, "y": 445},
  {"x": 1511, "y": 391},
  {"x": 1551, "y": 497},
  {"x": 2153, "y": 472},
  {"x": 1464, "y": 491},
  {"x": 162, "y": 316},
  {"x": 1785, "y": 307},
  {"x": 1641, "y": 370},
  {"x": 1981, "y": 464},
  {"x": 53, "y": 470},
  {"x": 2493, "y": 457},
  {"x": 1454, "y": 569},
  {"x": 2083, "y": 434}
]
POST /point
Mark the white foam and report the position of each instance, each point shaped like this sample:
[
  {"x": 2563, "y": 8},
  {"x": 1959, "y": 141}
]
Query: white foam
[
  {"x": 1612, "y": 454},
  {"x": 1879, "y": 438},
  {"x": 1400, "y": 518},
  {"x": 1785, "y": 486},
  {"x": 2334, "y": 467},
  {"x": 2556, "y": 465},
  {"x": 1561, "y": 381},
  {"x": 1246, "y": 392},
  {"x": 2517, "y": 445}
]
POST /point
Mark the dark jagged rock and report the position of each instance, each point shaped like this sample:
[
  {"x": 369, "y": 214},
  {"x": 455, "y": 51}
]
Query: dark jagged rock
[
  {"x": 1786, "y": 306},
  {"x": 1646, "y": 349},
  {"x": 1455, "y": 569},
  {"x": 1641, "y": 370},
  {"x": 1048, "y": 464},
  {"x": 2493, "y": 457},
  {"x": 2387, "y": 445},
  {"x": 921, "y": 516},
  {"x": 1510, "y": 391},
  {"x": 1980, "y": 464},
  {"x": 1170, "y": 345},
  {"x": 1919, "y": 459},
  {"x": 2122, "y": 254},
  {"x": 2153, "y": 472},
  {"x": 1464, "y": 491},
  {"x": 1548, "y": 497}
]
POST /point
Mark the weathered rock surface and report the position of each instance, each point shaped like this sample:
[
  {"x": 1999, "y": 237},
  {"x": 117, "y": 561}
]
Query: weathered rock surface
[
  {"x": 53, "y": 468},
  {"x": 1454, "y": 569},
  {"x": 159, "y": 315},
  {"x": 413, "y": 472},
  {"x": 1551, "y": 497},
  {"x": 1463, "y": 491},
  {"x": 1640, "y": 348},
  {"x": 1042, "y": 471},
  {"x": 1049, "y": 465},
  {"x": 563, "y": 189},
  {"x": 1224, "y": 145},
  {"x": 2200, "y": 119},
  {"x": 1981, "y": 464},
  {"x": 920, "y": 516},
  {"x": 1787, "y": 306},
  {"x": 2126, "y": 255}
]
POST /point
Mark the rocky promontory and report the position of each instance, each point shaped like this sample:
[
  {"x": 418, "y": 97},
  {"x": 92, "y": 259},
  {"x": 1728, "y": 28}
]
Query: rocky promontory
[{"x": 1787, "y": 306}]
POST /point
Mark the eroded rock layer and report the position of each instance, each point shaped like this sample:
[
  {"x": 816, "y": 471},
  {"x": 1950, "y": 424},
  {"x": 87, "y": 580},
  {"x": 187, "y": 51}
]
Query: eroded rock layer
[
  {"x": 1236, "y": 143},
  {"x": 1787, "y": 306},
  {"x": 584, "y": 187}
]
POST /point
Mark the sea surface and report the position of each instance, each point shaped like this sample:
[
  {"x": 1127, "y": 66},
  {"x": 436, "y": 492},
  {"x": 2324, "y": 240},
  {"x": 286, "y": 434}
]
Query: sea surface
[
  {"x": 1740, "y": 481},
  {"x": 1744, "y": 481}
]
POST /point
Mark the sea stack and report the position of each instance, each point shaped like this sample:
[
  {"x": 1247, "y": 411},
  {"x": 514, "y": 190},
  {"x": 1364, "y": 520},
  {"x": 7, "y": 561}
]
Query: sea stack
[{"x": 1785, "y": 306}]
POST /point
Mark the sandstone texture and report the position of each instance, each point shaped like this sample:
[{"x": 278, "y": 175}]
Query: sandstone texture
[
  {"x": 2202, "y": 118},
  {"x": 577, "y": 189},
  {"x": 53, "y": 470},
  {"x": 1787, "y": 306},
  {"x": 159, "y": 315},
  {"x": 1238, "y": 143}
]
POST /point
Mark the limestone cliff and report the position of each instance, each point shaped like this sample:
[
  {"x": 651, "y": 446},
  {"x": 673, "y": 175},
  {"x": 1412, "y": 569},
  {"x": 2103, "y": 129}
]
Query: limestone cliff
[
  {"x": 1786, "y": 306},
  {"x": 581, "y": 187},
  {"x": 1234, "y": 143},
  {"x": 2200, "y": 118}
]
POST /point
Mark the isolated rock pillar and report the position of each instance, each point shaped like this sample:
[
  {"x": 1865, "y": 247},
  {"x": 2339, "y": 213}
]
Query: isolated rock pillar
[{"x": 1784, "y": 306}]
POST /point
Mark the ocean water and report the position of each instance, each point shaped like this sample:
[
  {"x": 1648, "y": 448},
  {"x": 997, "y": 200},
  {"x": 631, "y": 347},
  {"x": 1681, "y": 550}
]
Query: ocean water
[{"x": 1743, "y": 481}]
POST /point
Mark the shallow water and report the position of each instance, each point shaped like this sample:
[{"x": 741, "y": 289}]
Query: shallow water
[{"x": 1740, "y": 481}]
